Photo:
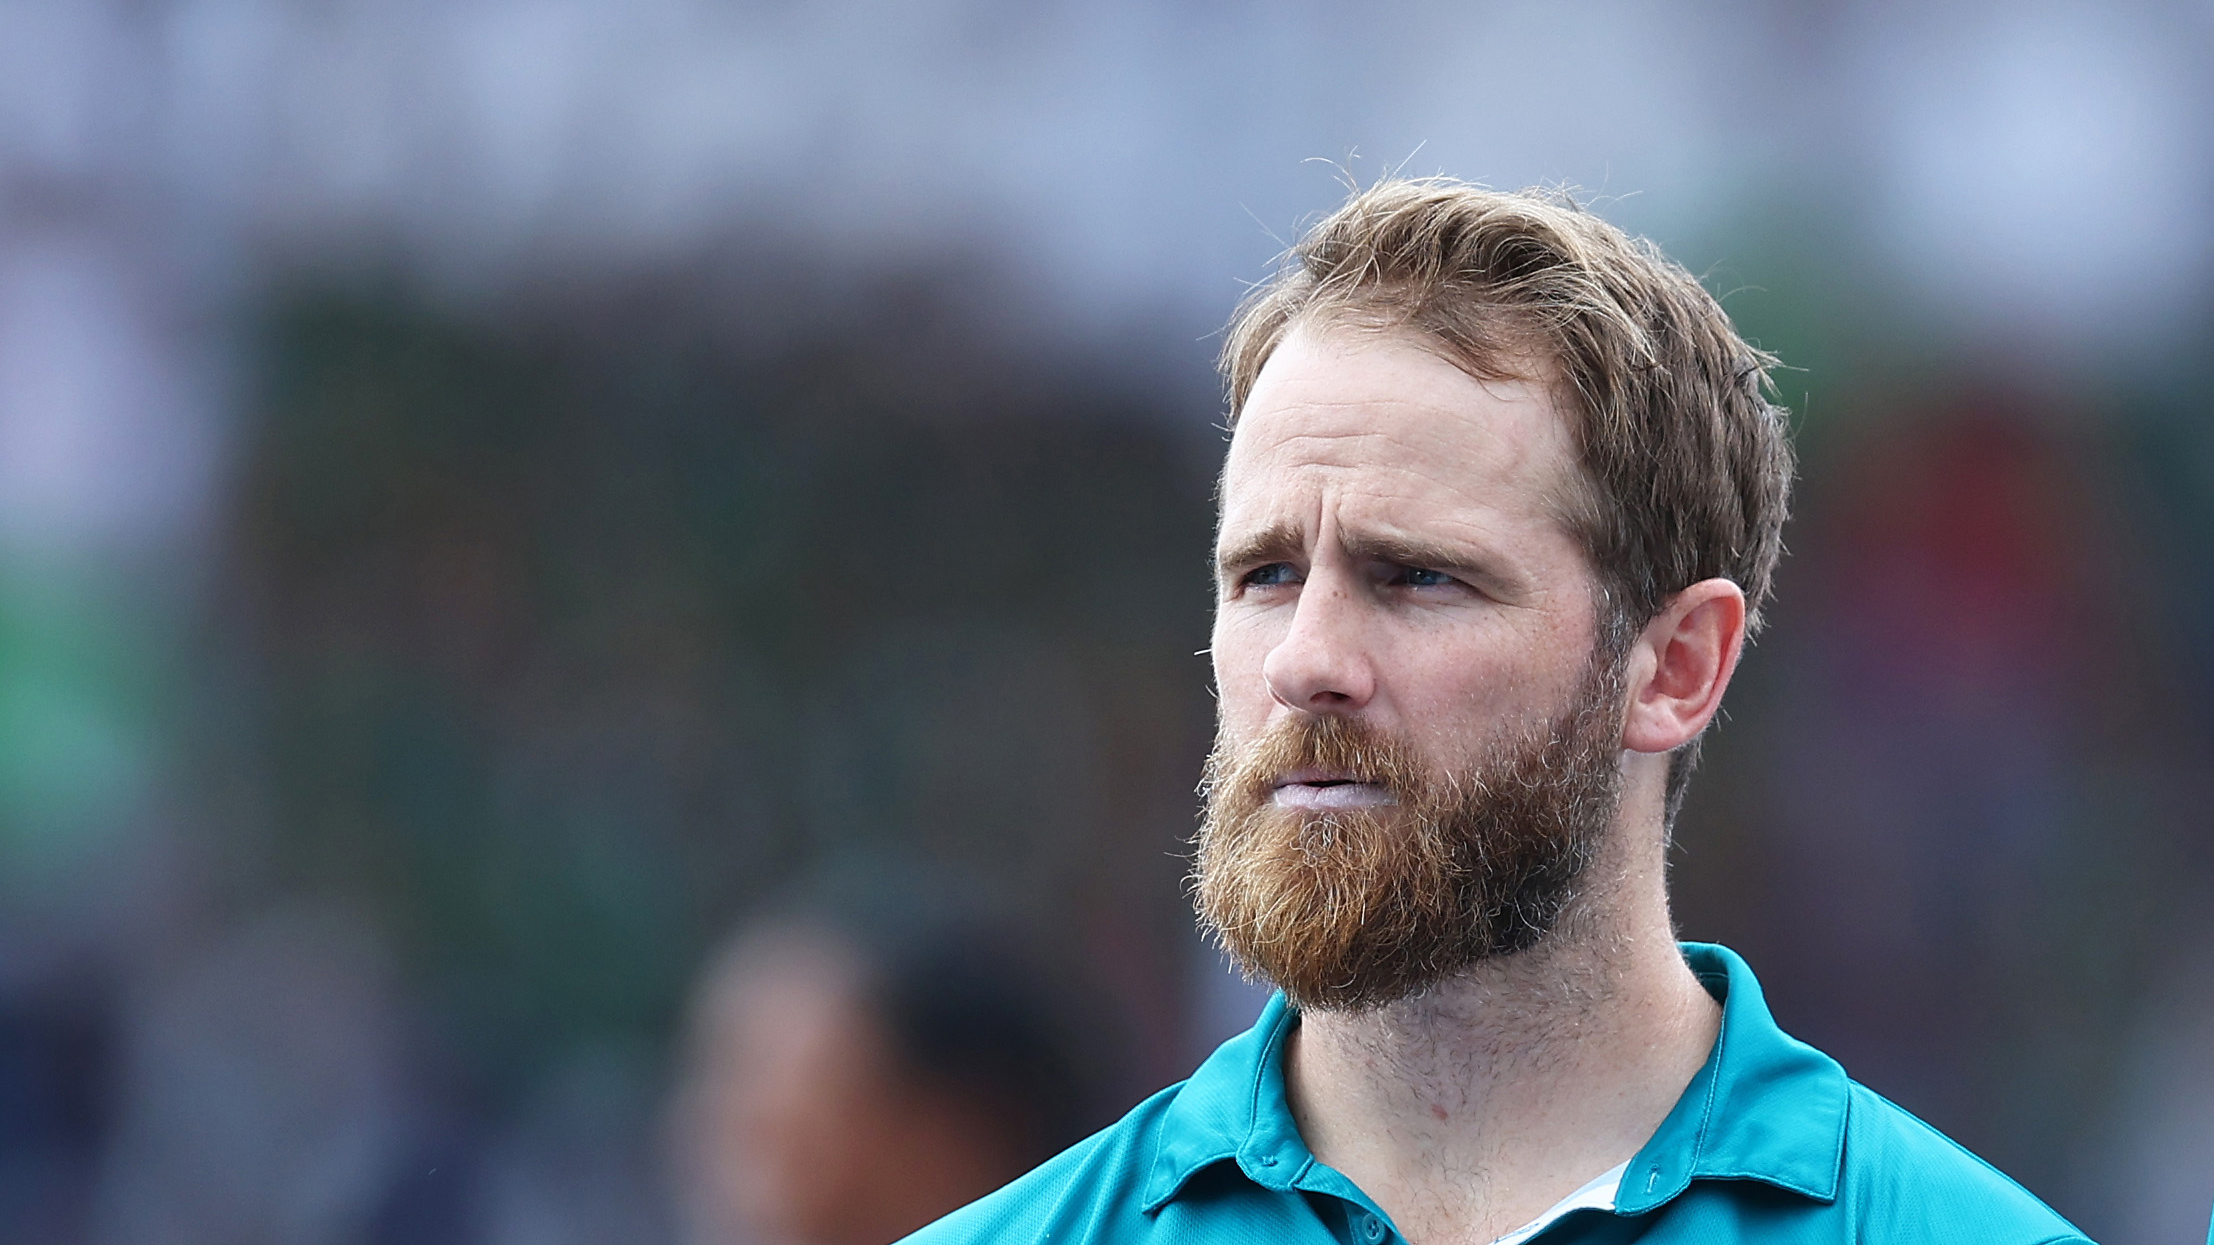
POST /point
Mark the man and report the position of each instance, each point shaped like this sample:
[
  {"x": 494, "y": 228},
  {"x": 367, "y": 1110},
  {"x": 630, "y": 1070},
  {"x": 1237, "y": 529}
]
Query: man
[
  {"x": 1502, "y": 501},
  {"x": 862, "y": 1063}
]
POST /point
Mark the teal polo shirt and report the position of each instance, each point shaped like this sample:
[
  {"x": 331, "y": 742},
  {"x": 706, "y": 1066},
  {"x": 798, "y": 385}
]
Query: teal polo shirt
[{"x": 1770, "y": 1142}]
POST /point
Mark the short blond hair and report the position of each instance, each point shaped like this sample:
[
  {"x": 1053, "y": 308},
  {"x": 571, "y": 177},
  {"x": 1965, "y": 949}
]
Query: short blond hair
[
  {"x": 1688, "y": 460},
  {"x": 1686, "y": 463}
]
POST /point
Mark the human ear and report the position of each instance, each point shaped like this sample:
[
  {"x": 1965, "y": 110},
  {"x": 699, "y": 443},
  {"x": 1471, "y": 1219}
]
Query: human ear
[{"x": 1681, "y": 664}]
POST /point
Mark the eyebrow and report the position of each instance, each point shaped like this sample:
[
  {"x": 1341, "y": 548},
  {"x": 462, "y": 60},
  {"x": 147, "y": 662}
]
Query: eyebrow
[
  {"x": 1284, "y": 542},
  {"x": 1279, "y": 542}
]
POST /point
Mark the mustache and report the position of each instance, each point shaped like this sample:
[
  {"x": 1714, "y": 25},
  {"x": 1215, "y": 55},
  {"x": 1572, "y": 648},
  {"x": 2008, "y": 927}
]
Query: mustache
[{"x": 1348, "y": 748}]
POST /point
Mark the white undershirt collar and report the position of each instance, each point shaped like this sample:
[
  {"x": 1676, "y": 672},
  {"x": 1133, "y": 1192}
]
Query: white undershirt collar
[{"x": 1598, "y": 1194}]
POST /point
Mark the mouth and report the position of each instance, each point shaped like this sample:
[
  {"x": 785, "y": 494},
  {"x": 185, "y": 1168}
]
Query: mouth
[{"x": 1322, "y": 789}]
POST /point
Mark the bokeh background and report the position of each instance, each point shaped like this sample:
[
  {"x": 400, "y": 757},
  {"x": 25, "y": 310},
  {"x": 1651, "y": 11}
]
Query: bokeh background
[{"x": 495, "y": 492}]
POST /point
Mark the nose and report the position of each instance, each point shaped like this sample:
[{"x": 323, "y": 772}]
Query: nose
[{"x": 1322, "y": 665}]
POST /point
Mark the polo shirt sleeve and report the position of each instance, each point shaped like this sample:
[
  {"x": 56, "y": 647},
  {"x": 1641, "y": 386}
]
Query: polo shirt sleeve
[
  {"x": 1907, "y": 1182},
  {"x": 1089, "y": 1192}
]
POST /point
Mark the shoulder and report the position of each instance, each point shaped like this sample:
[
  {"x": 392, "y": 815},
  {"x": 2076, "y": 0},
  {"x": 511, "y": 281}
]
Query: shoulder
[
  {"x": 1091, "y": 1191},
  {"x": 1905, "y": 1181}
]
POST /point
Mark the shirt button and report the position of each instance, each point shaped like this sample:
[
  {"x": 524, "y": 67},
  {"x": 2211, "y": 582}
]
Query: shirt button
[{"x": 1372, "y": 1229}]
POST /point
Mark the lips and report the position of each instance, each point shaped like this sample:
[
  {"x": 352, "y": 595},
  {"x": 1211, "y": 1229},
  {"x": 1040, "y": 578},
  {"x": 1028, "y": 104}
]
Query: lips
[{"x": 1324, "y": 789}]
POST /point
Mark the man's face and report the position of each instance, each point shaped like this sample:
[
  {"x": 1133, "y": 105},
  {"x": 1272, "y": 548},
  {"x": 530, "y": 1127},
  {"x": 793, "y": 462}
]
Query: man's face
[
  {"x": 1419, "y": 741},
  {"x": 805, "y": 1125}
]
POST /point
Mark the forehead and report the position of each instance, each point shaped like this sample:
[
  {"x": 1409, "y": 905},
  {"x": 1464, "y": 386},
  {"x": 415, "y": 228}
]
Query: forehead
[{"x": 1375, "y": 425}]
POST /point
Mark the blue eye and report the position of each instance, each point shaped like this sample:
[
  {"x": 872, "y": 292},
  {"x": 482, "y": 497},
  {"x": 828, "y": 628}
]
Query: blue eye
[
  {"x": 1273, "y": 575},
  {"x": 1416, "y": 577}
]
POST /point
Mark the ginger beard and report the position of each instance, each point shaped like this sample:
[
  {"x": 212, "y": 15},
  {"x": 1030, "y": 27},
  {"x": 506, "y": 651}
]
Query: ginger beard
[{"x": 1353, "y": 909}]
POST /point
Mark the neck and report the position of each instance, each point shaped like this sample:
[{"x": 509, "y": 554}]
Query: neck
[{"x": 1467, "y": 1112}]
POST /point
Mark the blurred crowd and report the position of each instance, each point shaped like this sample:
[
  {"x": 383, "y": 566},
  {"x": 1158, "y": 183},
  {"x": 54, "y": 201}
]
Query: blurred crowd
[
  {"x": 598, "y": 602},
  {"x": 858, "y": 1069}
]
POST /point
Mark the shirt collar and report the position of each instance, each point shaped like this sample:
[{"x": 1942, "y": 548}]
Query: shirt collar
[
  {"x": 1233, "y": 1107},
  {"x": 1765, "y": 1107}
]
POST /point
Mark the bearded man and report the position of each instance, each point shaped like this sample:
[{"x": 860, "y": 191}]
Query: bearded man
[{"x": 1503, "y": 497}]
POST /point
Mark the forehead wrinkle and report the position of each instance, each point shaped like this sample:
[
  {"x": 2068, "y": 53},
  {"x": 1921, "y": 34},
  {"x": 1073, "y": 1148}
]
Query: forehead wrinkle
[
  {"x": 1506, "y": 458},
  {"x": 1337, "y": 487},
  {"x": 1418, "y": 463}
]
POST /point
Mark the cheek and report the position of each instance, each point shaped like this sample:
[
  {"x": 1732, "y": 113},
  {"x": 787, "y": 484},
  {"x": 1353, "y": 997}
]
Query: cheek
[
  {"x": 1457, "y": 686},
  {"x": 1239, "y": 649}
]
